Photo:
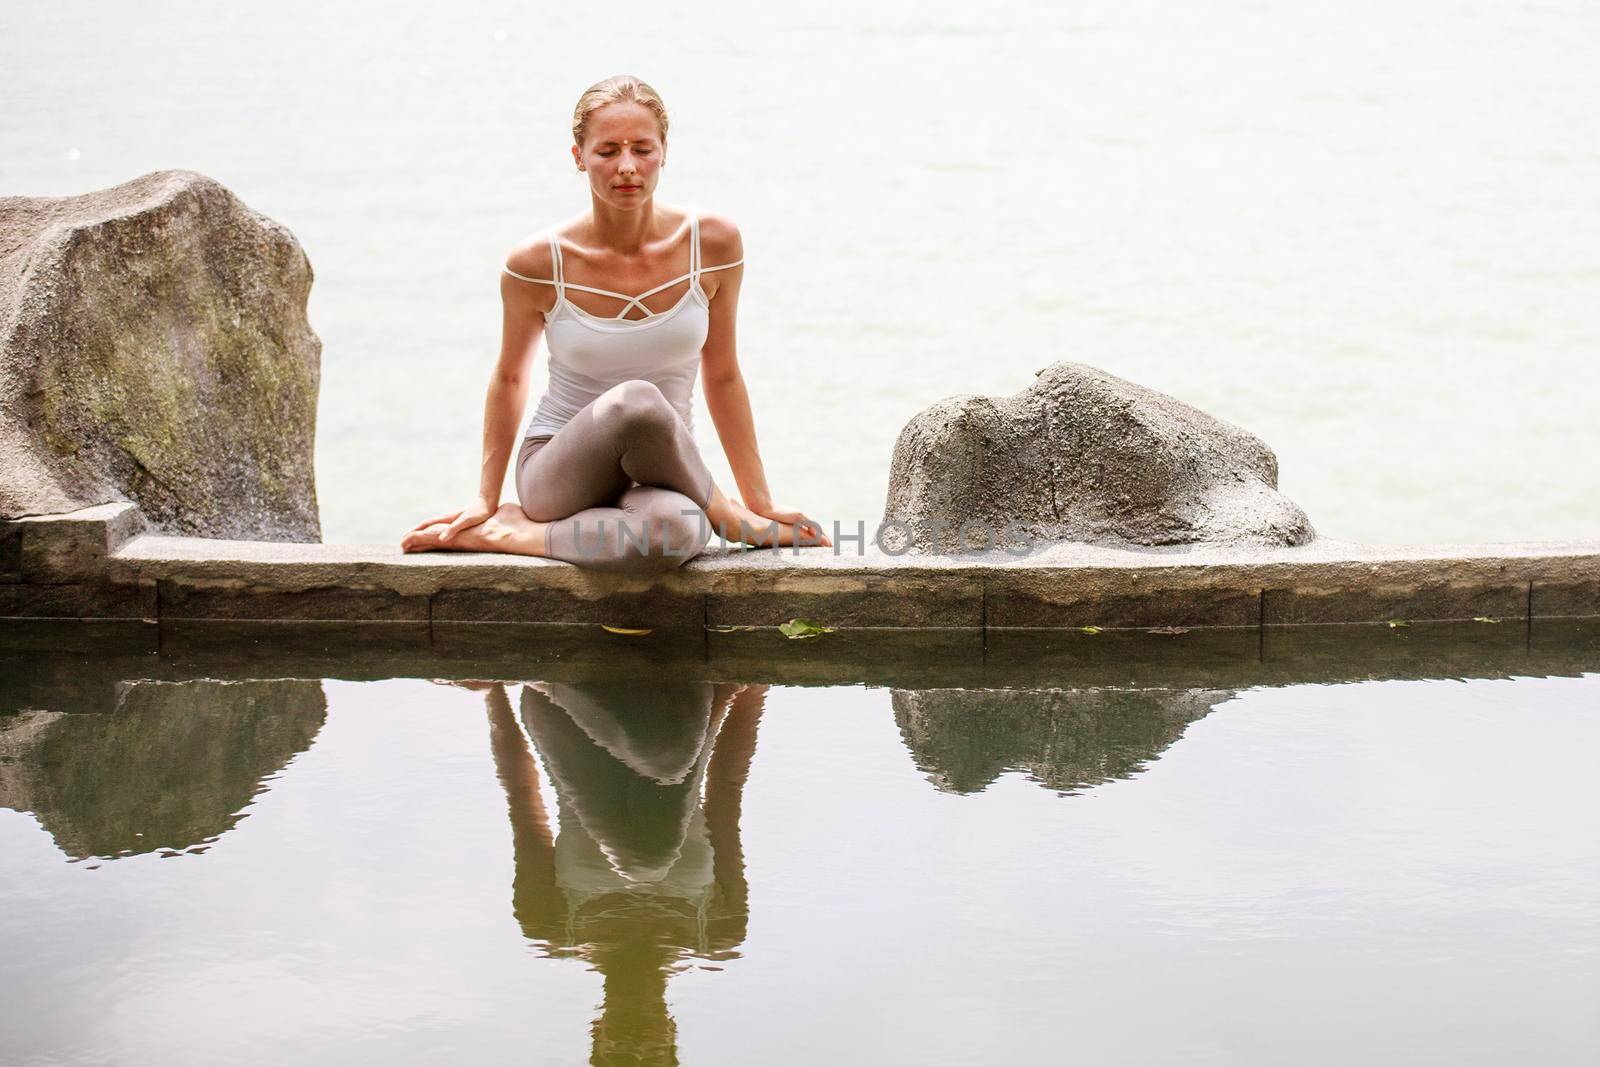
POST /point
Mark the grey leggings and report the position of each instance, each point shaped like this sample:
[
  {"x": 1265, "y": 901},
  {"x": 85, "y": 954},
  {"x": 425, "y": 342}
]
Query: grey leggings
[{"x": 622, "y": 485}]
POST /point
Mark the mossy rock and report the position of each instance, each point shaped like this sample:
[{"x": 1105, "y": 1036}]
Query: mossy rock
[{"x": 155, "y": 348}]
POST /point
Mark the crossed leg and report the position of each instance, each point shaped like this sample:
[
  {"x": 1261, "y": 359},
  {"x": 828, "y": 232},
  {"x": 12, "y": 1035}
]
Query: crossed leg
[{"x": 621, "y": 487}]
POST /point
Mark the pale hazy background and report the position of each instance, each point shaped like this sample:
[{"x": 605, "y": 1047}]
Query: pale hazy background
[{"x": 1368, "y": 232}]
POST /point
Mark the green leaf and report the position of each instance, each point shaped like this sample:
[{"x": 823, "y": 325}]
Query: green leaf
[
  {"x": 1484, "y": 618},
  {"x": 1091, "y": 629},
  {"x": 801, "y": 628},
  {"x": 1397, "y": 624},
  {"x": 622, "y": 630}
]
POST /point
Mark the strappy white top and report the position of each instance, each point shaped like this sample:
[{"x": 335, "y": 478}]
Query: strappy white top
[{"x": 592, "y": 353}]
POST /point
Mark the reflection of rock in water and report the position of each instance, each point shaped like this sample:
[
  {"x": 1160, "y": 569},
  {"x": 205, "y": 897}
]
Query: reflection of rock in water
[
  {"x": 1068, "y": 739},
  {"x": 169, "y": 769}
]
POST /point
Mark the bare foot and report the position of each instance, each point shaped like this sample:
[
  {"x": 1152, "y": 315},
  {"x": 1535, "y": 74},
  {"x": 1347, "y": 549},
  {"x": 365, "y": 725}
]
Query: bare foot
[{"x": 507, "y": 530}]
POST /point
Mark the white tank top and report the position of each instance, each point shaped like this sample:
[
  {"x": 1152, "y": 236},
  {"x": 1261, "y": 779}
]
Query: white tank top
[{"x": 592, "y": 353}]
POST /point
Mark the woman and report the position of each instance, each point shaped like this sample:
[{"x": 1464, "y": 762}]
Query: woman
[{"x": 632, "y": 298}]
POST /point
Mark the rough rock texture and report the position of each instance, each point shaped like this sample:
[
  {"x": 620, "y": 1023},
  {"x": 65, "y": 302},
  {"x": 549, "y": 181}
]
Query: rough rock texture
[
  {"x": 1082, "y": 455},
  {"x": 154, "y": 347}
]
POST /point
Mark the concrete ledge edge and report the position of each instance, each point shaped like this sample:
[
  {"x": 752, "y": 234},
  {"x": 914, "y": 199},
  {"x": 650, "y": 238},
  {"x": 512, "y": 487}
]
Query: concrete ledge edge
[{"x": 96, "y": 563}]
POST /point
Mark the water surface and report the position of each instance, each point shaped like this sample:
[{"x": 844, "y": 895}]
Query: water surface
[{"x": 1152, "y": 858}]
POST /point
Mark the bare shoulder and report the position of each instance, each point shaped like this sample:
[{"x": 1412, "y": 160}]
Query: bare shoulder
[
  {"x": 530, "y": 285},
  {"x": 720, "y": 241},
  {"x": 530, "y": 257}
]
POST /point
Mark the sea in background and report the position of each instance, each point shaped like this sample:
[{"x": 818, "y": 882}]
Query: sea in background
[{"x": 1367, "y": 232}]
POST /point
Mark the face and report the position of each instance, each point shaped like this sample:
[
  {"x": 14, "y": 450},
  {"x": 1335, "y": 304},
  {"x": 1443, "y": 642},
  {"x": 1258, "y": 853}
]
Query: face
[{"x": 622, "y": 153}]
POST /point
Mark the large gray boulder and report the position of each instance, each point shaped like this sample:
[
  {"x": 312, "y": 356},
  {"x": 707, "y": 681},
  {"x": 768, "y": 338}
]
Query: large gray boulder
[
  {"x": 1081, "y": 455},
  {"x": 154, "y": 347}
]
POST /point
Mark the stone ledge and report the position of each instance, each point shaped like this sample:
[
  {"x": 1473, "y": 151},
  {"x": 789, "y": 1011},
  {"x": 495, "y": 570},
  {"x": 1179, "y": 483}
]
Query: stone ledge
[
  {"x": 94, "y": 555},
  {"x": 78, "y": 600},
  {"x": 66, "y": 548}
]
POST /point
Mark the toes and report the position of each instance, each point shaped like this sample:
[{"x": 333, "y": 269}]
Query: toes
[{"x": 422, "y": 540}]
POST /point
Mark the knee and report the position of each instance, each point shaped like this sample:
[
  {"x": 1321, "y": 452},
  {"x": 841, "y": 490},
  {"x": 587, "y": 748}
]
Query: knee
[
  {"x": 635, "y": 406},
  {"x": 676, "y": 530}
]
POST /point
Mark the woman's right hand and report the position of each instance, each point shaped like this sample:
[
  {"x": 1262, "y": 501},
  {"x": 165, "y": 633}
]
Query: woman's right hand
[{"x": 462, "y": 519}]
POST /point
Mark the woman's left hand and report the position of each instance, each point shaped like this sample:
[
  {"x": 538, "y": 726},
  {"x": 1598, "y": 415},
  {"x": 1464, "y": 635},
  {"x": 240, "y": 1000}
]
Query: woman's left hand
[{"x": 805, "y": 526}]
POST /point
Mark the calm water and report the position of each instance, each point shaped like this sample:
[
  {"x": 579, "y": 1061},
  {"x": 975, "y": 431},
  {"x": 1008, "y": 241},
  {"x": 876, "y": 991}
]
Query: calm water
[
  {"x": 1365, "y": 231},
  {"x": 1151, "y": 860}
]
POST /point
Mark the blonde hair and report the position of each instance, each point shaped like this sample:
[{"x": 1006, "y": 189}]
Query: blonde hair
[{"x": 609, "y": 91}]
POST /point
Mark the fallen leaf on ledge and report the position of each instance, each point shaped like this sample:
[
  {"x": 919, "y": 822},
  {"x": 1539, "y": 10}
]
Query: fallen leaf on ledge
[{"x": 800, "y": 628}]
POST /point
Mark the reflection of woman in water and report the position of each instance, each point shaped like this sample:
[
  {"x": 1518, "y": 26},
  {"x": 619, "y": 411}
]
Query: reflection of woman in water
[{"x": 647, "y": 867}]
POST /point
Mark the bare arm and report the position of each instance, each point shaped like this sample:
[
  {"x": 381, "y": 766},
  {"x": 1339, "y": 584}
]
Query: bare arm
[
  {"x": 726, "y": 396},
  {"x": 522, "y": 325}
]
